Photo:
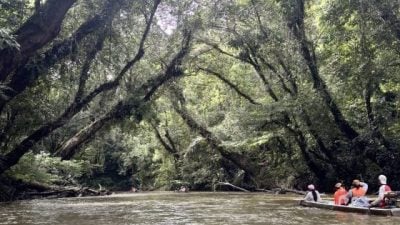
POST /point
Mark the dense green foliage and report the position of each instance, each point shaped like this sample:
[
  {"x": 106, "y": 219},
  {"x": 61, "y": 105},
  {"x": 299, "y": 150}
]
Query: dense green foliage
[{"x": 159, "y": 94}]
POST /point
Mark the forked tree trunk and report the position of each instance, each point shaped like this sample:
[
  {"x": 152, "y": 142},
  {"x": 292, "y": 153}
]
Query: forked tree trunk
[
  {"x": 296, "y": 25},
  {"x": 240, "y": 160}
]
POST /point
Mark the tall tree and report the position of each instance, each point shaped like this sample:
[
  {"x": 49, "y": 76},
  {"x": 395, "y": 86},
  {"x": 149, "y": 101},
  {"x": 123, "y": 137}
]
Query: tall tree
[{"x": 80, "y": 101}]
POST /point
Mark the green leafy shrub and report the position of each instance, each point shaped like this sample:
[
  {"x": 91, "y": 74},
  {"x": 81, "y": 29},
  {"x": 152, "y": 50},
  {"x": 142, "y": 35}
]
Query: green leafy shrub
[{"x": 45, "y": 169}]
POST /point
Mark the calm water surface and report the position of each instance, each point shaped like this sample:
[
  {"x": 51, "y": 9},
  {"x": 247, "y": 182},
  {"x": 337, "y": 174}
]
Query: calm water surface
[{"x": 178, "y": 208}]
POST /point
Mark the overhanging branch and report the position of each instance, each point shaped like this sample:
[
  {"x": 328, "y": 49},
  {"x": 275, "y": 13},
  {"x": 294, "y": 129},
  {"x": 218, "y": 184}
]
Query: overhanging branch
[{"x": 230, "y": 84}]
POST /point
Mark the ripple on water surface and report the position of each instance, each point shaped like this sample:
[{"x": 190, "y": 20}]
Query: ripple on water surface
[{"x": 178, "y": 208}]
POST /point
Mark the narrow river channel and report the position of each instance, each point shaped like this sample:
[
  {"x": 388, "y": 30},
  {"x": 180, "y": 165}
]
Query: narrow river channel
[{"x": 178, "y": 208}]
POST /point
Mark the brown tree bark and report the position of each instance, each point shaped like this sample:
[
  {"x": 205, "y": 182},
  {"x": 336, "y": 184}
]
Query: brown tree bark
[
  {"x": 26, "y": 74},
  {"x": 40, "y": 29},
  {"x": 311, "y": 161}
]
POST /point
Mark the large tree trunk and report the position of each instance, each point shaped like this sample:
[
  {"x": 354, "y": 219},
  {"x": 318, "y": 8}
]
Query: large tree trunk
[
  {"x": 12, "y": 157},
  {"x": 41, "y": 28},
  {"x": 26, "y": 74},
  {"x": 253, "y": 58},
  {"x": 70, "y": 147},
  {"x": 127, "y": 108},
  {"x": 296, "y": 25},
  {"x": 315, "y": 165},
  {"x": 240, "y": 160},
  {"x": 387, "y": 159}
]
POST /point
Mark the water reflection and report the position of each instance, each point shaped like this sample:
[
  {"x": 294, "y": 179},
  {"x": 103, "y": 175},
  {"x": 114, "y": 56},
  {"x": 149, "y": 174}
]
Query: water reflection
[{"x": 178, "y": 208}]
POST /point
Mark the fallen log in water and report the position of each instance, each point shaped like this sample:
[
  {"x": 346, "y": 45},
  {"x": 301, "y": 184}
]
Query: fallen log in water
[
  {"x": 49, "y": 194},
  {"x": 266, "y": 190},
  {"x": 12, "y": 189},
  {"x": 282, "y": 191},
  {"x": 294, "y": 191},
  {"x": 230, "y": 185},
  {"x": 64, "y": 192}
]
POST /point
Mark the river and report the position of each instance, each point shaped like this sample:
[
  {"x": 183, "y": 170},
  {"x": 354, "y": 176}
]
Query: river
[{"x": 178, "y": 208}]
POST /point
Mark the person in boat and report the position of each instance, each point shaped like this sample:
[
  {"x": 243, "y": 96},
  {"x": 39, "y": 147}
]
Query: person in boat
[
  {"x": 357, "y": 194},
  {"x": 383, "y": 189},
  {"x": 340, "y": 196},
  {"x": 183, "y": 189},
  {"x": 312, "y": 194}
]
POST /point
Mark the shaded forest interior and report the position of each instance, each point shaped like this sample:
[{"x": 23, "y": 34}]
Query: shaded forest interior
[{"x": 155, "y": 94}]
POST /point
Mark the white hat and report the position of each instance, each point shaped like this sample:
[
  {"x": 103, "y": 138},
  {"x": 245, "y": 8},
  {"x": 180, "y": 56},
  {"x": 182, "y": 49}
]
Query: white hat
[
  {"x": 382, "y": 179},
  {"x": 311, "y": 187}
]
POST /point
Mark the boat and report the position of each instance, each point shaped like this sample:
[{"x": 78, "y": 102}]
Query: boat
[{"x": 352, "y": 209}]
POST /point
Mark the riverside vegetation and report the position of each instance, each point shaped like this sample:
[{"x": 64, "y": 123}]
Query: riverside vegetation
[{"x": 156, "y": 94}]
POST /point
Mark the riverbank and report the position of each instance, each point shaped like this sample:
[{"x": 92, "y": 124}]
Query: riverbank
[{"x": 13, "y": 189}]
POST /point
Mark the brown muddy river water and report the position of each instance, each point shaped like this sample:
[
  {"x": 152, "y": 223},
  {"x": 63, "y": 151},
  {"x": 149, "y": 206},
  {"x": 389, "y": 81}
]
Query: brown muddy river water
[{"x": 178, "y": 208}]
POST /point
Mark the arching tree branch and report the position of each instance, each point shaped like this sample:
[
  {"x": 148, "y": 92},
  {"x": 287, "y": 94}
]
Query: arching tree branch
[
  {"x": 26, "y": 74},
  {"x": 40, "y": 29},
  {"x": 230, "y": 84},
  {"x": 127, "y": 107}
]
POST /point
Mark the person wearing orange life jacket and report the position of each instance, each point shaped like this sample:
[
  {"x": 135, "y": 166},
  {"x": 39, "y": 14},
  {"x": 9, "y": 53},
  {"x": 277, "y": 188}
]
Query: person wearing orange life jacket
[
  {"x": 383, "y": 189},
  {"x": 357, "y": 194},
  {"x": 340, "y": 195}
]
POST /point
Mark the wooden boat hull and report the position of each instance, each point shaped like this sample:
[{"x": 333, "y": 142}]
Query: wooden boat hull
[{"x": 371, "y": 211}]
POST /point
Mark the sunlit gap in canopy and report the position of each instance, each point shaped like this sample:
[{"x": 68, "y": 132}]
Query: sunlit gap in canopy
[{"x": 168, "y": 17}]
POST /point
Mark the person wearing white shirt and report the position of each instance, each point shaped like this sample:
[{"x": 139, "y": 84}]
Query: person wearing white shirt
[{"x": 312, "y": 194}]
